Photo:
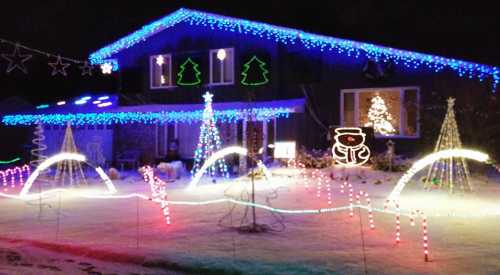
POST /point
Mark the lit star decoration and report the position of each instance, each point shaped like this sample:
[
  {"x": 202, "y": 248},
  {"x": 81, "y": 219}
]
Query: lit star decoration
[
  {"x": 160, "y": 60},
  {"x": 209, "y": 142},
  {"x": 284, "y": 35},
  {"x": 106, "y": 68},
  {"x": 16, "y": 60},
  {"x": 86, "y": 69},
  {"x": 109, "y": 118},
  {"x": 58, "y": 67}
]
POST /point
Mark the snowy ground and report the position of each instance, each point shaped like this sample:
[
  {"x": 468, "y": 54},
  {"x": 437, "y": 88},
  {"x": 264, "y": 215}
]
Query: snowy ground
[{"x": 126, "y": 236}]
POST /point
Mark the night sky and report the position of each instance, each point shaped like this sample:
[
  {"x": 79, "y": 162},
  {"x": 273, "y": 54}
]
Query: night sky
[{"x": 77, "y": 28}]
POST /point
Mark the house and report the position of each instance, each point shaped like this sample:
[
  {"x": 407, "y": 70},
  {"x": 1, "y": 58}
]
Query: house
[{"x": 270, "y": 84}]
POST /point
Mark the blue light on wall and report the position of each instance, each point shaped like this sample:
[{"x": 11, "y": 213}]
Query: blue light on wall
[
  {"x": 108, "y": 118},
  {"x": 292, "y": 36}
]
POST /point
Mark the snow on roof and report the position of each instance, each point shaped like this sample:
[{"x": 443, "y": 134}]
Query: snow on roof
[{"x": 284, "y": 35}]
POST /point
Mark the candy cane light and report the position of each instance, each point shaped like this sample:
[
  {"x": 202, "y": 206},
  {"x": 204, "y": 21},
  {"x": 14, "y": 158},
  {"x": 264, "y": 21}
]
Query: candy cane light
[
  {"x": 61, "y": 157},
  {"x": 429, "y": 159}
]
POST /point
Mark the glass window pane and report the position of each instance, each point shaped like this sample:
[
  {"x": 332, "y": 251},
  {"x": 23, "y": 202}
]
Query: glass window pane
[
  {"x": 228, "y": 67},
  {"x": 160, "y": 74},
  {"x": 380, "y": 110},
  {"x": 216, "y": 72},
  {"x": 349, "y": 110},
  {"x": 410, "y": 126}
]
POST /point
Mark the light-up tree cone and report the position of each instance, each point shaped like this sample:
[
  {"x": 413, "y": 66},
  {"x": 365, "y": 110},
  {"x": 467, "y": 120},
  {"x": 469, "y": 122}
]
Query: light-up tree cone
[
  {"x": 209, "y": 142},
  {"x": 449, "y": 172},
  {"x": 69, "y": 172}
]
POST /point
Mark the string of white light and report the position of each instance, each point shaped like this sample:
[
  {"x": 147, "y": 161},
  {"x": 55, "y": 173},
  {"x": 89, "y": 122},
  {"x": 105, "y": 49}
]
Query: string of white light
[{"x": 16, "y": 44}]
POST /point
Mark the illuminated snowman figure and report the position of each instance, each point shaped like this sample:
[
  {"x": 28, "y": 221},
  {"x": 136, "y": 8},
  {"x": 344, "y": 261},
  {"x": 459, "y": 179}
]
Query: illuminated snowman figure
[{"x": 349, "y": 148}]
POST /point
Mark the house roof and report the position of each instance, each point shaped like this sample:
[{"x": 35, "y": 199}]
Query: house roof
[
  {"x": 285, "y": 35},
  {"x": 157, "y": 113}
]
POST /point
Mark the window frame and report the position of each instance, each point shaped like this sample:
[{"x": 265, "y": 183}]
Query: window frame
[
  {"x": 152, "y": 60},
  {"x": 402, "y": 110},
  {"x": 210, "y": 80}
]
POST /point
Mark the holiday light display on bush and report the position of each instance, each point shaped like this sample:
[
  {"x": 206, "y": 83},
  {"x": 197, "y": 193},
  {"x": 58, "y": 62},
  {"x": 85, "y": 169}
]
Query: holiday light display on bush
[
  {"x": 209, "y": 142},
  {"x": 349, "y": 148},
  {"x": 449, "y": 172},
  {"x": 379, "y": 117},
  {"x": 70, "y": 170}
]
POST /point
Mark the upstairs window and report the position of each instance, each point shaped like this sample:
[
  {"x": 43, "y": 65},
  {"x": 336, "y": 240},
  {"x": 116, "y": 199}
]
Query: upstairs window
[
  {"x": 161, "y": 71},
  {"x": 391, "y": 112},
  {"x": 222, "y": 66}
]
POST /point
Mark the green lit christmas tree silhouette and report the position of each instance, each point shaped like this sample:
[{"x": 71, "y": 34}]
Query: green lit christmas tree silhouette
[
  {"x": 189, "y": 73},
  {"x": 254, "y": 72}
]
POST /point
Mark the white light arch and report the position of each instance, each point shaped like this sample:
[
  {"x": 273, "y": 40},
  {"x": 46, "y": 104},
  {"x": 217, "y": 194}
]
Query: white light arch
[
  {"x": 61, "y": 157},
  {"x": 220, "y": 154},
  {"x": 429, "y": 159}
]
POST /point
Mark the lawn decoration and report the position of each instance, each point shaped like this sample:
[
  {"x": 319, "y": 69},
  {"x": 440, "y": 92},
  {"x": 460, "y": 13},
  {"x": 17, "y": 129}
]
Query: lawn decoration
[
  {"x": 221, "y": 154},
  {"x": 432, "y": 158},
  {"x": 453, "y": 171},
  {"x": 69, "y": 169},
  {"x": 158, "y": 190},
  {"x": 208, "y": 143},
  {"x": 56, "y": 159},
  {"x": 349, "y": 148},
  {"x": 9, "y": 179}
]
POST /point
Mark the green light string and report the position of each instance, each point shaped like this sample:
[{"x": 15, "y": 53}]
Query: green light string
[
  {"x": 261, "y": 65},
  {"x": 10, "y": 161},
  {"x": 197, "y": 73}
]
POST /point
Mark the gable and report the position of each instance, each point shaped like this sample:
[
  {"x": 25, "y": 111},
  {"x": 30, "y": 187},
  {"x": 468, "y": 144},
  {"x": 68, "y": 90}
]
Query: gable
[{"x": 288, "y": 36}]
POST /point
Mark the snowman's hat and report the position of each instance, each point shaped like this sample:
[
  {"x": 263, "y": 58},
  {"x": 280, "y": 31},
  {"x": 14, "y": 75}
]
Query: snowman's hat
[{"x": 349, "y": 130}]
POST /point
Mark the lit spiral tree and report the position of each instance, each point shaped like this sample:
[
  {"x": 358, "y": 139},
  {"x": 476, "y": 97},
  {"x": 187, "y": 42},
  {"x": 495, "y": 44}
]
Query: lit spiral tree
[
  {"x": 209, "y": 142},
  {"x": 39, "y": 146}
]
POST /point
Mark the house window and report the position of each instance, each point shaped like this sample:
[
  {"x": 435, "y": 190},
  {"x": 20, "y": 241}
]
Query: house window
[
  {"x": 391, "y": 112},
  {"x": 222, "y": 66},
  {"x": 160, "y": 70}
]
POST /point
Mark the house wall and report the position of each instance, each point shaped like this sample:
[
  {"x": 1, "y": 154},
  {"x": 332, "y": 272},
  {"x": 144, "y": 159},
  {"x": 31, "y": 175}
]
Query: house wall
[
  {"x": 88, "y": 140},
  {"x": 293, "y": 68}
]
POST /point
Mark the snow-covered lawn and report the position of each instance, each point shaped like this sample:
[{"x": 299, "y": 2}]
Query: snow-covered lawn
[{"x": 131, "y": 234}]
